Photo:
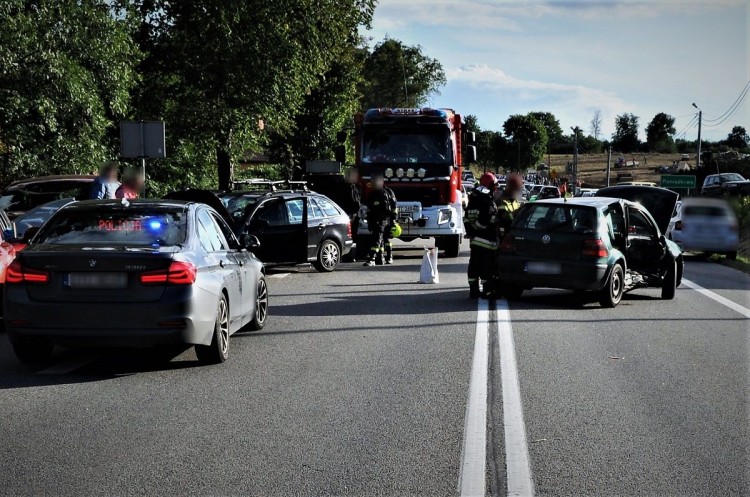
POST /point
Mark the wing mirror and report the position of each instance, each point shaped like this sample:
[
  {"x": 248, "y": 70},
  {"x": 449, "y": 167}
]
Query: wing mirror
[
  {"x": 471, "y": 154},
  {"x": 250, "y": 242}
]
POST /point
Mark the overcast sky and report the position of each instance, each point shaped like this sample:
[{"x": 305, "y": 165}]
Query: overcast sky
[{"x": 572, "y": 57}]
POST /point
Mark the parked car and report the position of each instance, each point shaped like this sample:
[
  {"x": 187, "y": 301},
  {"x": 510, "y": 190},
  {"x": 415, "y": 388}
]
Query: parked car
[
  {"x": 464, "y": 197},
  {"x": 468, "y": 176},
  {"x": 716, "y": 185},
  {"x": 294, "y": 227},
  {"x": 605, "y": 245},
  {"x": 15, "y": 233},
  {"x": 7, "y": 253},
  {"x": 707, "y": 225},
  {"x": 133, "y": 274},
  {"x": 24, "y": 195},
  {"x": 674, "y": 230}
]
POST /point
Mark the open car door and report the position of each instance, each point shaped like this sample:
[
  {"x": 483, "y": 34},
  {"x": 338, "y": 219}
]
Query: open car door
[
  {"x": 281, "y": 226},
  {"x": 659, "y": 202}
]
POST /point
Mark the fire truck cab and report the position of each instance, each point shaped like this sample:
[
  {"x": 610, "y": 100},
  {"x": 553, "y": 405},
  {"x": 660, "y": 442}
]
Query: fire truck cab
[{"x": 419, "y": 154}]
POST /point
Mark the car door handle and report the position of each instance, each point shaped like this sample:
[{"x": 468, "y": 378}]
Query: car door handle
[
  {"x": 241, "y": 264},
  {"x": 221, "y": 263}
]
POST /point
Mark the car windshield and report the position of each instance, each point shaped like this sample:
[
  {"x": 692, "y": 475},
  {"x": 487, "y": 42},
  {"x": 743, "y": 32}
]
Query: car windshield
[
  {"x": 560, "y": 218},
  {"x": 36, "y": 217},
  {"x": 422, "y": 145},
  {"x": 731, "y": 177},
  {"x": 143, "y": 227},
  {"x": 239, "y": 206}
]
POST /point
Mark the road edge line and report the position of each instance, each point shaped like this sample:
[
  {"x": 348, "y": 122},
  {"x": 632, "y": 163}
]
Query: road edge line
[
  {"x": 471, "y": 481},
  {"x": 517, "y": 464},
  {"x": 718, "y": 298}
]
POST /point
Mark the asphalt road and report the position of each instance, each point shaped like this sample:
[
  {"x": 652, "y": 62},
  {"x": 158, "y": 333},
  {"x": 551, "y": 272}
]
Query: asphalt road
[{"x": 359, "y": 384}]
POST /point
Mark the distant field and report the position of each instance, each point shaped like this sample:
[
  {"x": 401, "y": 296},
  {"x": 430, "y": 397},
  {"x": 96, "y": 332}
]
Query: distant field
[{"x": 592, "y": 167}]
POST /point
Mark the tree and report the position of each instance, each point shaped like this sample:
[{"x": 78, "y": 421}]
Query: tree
[
  {"x": 66, "y": 72},
  {"x": 397, "y": 75},
  {"x": 221, "y": 66},
  {"x": 528, "y": 140},
  {"x": 551, "y": 125},
  {"x": 625, "y": 138},
  {"x": 738, "y": 138},
  {"x": 659, "y": 133},
  {"x": 596, "y": 124}
]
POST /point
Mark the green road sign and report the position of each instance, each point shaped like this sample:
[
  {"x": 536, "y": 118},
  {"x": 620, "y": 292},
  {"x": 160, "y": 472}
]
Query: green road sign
[{"x": 675, "y": 181}]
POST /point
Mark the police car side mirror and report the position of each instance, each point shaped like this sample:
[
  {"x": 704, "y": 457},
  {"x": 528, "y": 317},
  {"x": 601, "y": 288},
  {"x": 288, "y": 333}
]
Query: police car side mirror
[
  {"x": 250, "y": 242},
  {"x": 29, "y": 234},
  {"x": 471, "y": 154}
]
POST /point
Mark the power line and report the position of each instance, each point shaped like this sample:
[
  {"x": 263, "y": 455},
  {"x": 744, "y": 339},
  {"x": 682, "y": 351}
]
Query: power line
[
  {"x": 691, "y": 123},
  {"x": 733, "y": 110},
  {"x": 742, "y": 95}
]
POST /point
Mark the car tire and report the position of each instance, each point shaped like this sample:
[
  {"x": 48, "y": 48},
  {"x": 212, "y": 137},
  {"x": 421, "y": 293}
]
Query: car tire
[
  {"x": 612, "y": 293},
  {"x": 218, "y": 351},
  {"x": 261, "y": 307},
  {"x": 32, "y": 350},
  {"x": 669, "y": 283},
  {"x": 732, "y": 256},
  {"x": 329, "y": 256},
  {"x": 452, "y": 246}
]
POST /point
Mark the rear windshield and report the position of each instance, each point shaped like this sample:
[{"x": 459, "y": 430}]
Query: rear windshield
[
  {"x": 239, "y": 206},
  {"x": 131, "y": 228},
  {"x": 560, "y": 218},
  {"x": 704, "y": 210}
]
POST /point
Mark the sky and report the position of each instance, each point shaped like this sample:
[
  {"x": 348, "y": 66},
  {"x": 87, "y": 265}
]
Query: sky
[{"x": 573, "y": 57}]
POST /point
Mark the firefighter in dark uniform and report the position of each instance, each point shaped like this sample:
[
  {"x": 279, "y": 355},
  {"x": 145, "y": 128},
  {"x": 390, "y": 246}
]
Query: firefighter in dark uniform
[
  {"x": 507, "y": 205},
  {"x": 388, "y": 231},
  {"x": 381, "y": 209},
  {"x": 481, "y": 227}
]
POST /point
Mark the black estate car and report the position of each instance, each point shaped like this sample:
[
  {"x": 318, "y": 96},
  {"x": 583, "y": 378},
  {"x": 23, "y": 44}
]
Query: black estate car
[{"x": 293, "y": 226}]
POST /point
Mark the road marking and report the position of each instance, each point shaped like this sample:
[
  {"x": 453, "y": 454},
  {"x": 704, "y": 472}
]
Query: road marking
[
  {"x": 474, "y": 451},
  {"x": 517, "y": 464},
  {"x": 278, "y": 276},
  {"x": 69, "y": 365},
  {"x": 718, "y": 298}
]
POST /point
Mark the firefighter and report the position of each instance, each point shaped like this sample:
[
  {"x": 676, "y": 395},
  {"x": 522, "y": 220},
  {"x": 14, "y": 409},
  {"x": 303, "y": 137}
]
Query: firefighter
[
  {"x": 481, "y": 227},
  {"x": 380, "y": 214},
  {"x": 507, "y": 205},
  {"x": 389, "y": 231}
]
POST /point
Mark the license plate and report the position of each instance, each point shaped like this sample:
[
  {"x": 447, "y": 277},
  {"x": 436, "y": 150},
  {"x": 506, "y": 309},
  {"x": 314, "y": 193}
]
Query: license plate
[
  {"x": 96, "y": 280},
  {"x": 543, "y": 268},
  {"x": 409, "y": 208}
]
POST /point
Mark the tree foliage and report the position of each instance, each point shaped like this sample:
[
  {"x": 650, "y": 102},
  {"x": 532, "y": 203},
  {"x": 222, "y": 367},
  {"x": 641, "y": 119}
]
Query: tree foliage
[
  {"x": 659, "y": 133},
  {"x": 398, "y": 75},
  {"x": 738, "y": 138},
  {"x": 595, "y": 125},
  {"x": 625, "y": 138},
  {"x": 551, "y": 125},
  {"x": 66, "y": 72},
  {"x": 528, "y": 141}
]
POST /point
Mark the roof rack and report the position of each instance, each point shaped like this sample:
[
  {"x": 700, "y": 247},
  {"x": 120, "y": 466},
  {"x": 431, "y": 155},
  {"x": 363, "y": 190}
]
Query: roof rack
[
  {"x": 301, "y": 185},
  {"x": 258, "y": 183}
]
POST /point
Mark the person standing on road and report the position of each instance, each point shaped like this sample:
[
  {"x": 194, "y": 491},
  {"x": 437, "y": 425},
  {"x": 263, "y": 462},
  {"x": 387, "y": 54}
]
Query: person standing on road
[
  {"x": 388, "y": 230},
  {"x": 105, "y": 185},
  {"x": 380, "y": 213},
  {"x": 131, "y": 187},
  {"x": 352, "y": 205},
  {"x": 508, "y": 205},
  {"x": 481, "y": 228}
]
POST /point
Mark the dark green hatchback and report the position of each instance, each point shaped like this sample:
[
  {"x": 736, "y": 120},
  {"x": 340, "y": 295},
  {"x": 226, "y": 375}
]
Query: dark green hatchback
[{"x": 599, "y": 244}]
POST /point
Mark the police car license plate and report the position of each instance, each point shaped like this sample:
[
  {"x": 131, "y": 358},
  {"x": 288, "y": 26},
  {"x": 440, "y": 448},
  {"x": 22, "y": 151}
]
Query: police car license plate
[{"x": 96, "y": 280}]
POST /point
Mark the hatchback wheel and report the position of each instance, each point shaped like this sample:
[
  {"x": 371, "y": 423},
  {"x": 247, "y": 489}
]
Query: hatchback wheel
[
  {"x": 32, "y": 351},
  {"x": 669, "y": 283},
  {"x": 261, "y": 307},
  {"x": 612, "y": 292},
  {"x": 329, "y": 256},
  {"x": 218, "y": 351}
]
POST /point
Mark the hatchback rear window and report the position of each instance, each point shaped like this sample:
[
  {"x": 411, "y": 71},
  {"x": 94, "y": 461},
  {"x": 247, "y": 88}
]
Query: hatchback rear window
[
  {"x": 560, "y": 218},
  {"x": 126, "y": 228},
  {"x": 703, "y": 210}
]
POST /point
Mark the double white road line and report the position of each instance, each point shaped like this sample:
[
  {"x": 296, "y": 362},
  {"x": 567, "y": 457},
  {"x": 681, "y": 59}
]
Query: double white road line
[{"x": 474, "y": 452}]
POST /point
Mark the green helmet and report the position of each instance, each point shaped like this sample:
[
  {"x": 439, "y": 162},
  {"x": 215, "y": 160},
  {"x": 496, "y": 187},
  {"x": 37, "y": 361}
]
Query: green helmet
[{"x": 396, "y": 230}]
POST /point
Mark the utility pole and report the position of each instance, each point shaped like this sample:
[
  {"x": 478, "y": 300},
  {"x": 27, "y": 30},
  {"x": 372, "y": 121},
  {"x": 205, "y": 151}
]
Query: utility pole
[
  {"x": 609, "y": 163},
  {"x": 700, "y": 123}
]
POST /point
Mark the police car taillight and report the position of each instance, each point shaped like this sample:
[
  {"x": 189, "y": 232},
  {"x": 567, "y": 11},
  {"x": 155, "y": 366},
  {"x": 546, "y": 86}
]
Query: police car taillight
[
  {"x": 178, "y": 273},
  {"x": 16, "y": 273}
]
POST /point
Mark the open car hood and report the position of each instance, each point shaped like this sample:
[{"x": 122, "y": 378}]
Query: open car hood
[
  {"x": 204, "y": 197},
  {"x": 660, "y": 202}
]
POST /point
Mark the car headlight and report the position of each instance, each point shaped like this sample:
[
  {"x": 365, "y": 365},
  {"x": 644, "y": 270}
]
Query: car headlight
[
  {"x": 389, "y": 172},
  {"x": 410, "y": 173},
  {"x": 422, "y": 172},
  {"x": 445, "y": 216},
  {"x": 400, "y": 172}
]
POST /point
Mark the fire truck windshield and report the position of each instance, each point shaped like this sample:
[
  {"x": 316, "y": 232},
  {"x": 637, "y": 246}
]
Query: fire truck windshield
[{"x": 423, "y": 145}]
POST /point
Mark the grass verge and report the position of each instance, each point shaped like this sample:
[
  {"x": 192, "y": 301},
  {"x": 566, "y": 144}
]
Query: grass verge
[{"x": 741, "y": 264}]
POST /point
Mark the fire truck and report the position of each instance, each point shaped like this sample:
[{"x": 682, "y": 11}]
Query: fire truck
[{"x": 419, "y": 153}]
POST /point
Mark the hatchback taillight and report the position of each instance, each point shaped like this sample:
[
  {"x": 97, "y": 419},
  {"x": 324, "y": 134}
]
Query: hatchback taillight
[
  {"x": 16, "y": 273},
  {"x": 349, "y": 229},
  {"x": 595, "y": 248},
  {"x": 178, "y": 273}
]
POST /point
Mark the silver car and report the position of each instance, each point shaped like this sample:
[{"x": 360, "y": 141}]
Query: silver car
[{"x": 134, "y": 274}]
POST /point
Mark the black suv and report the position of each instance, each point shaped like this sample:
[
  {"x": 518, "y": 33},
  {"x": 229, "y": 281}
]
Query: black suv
[
  {"x": 24, "y": 195},
  {"x": 293, "y": 226},
  {"x": 725, "y": 184}
]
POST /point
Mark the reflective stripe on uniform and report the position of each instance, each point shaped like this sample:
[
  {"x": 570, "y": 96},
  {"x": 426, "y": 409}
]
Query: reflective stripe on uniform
[{"x": 481, "y": 242}]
